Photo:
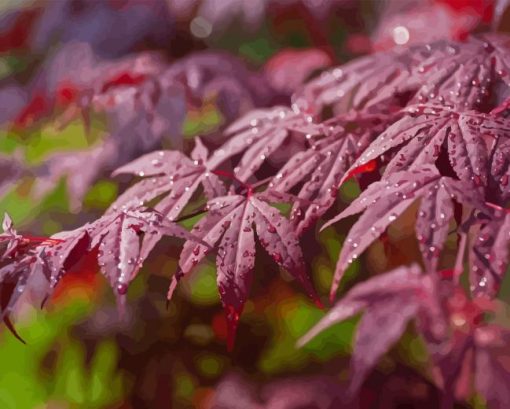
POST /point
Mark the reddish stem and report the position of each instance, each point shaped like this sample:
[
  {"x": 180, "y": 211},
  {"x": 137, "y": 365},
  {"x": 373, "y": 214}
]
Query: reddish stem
[
  {"x": 39, "y": 239},
  {"x": 497, "y": 207},
  {"x": 231, "y": 176}
]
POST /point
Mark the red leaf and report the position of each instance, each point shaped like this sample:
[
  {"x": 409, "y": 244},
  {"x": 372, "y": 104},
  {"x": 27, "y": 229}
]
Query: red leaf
[
  {"x": 229, "y": 227},
  {"x": 33, "y": 111},
  {"x": 123, "y": 78}
]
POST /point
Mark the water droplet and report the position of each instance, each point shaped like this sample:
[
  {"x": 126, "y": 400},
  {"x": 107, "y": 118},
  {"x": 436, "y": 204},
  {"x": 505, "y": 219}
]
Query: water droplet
[
  {"x": 122, "y": 288},
  {"x": 277, "y": 257},
  {"x": 400, "y": 35}
]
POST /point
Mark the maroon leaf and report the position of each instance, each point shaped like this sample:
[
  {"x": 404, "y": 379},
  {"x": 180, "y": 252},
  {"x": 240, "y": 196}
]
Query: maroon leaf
[
  {"x": 144, "y": 101},
  {"x": 118, "y": 235},
  {"x": 61, "y": 257},
  {"x": 492, "y": 367},
  {"x": 9, "y": 235},
  {"x": 417, "y": 139},
  {"x": 461, "y": 75},
  {"x": 399, "y": 191},
  {"x": 489, "y": 256},
  {"x": 259, "y": 134},
  {"x": 170, "y": 173},
  {"x": 230, "y": 221},
  {"x": 433, "y": 222},
  {"x": 389, "y": 302},
  {"x": 171, "y": 177},
  {"x": 500, "y": 170},
  {"x": 323, "y": 166}
]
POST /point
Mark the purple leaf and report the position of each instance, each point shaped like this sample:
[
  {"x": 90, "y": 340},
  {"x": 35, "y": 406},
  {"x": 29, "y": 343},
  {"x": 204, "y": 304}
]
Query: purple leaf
[
  {"x": 389, "y": 302},
  {"x": 383, "y": 202},
  {"x": 384, "y": 322},
  {"x": 260, "y": 134},
  {"x": 418, "y": 137},
  {"x": 492, "y": 374},
  {"x": 230, "y": 221},
  {"x": 121, "y": 245},
  {"x": 459, "y": 75},
  {"x": 433, "y": 222},
  {"x": 324, "y": 165},
  {"x": 10, "y": 235},
  {"x": 489, "y": 256}
]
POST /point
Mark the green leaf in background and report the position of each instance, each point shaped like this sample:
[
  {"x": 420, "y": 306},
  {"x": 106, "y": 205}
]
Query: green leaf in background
[
  {"x": 294, "y": 318},
  {"x": 201, "y": 286},
  {"x": 101, "y": 195},
  {"x": 349, "y": 191},
  {"x": 332, "y": 242},
  {"x": 200, "y": 122},
  {"x": 50, "y": 140},
  {"x": 8, "y": 142},
  {"x": 51, "y": 367},
  {"x": 210, "y": 365},
  {"x": 23, "y": 208}
]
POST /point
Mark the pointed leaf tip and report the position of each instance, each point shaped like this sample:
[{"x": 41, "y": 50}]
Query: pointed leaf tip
[
  {"x": 7, "y": 222},
  {"x": 8, "y": 323},
  {"x": 370, "y": 166},
  {"x": 232, "y": 317},
  {"x": 171, "y": 288},
  {"x": 318, "y": 303}
]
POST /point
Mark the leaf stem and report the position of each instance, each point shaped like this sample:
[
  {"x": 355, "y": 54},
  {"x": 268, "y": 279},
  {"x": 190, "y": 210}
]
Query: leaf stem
[
  {"x": 233, "y": 177},
  {"x": 190, "y": 215},
  {"x": 39, "y": 239}
]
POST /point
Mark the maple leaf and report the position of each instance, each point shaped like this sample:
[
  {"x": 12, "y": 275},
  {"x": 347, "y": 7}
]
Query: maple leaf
[
  {"x": 461, "y": 75},
  {"x": 419, "y": 137},
  {"x": 171, "y": 173},
  {"x": 31, "y": 256},
  {"x": 114, "y": 239},
  {"x": 60, "y": 258},
  {"x": 10, "y": 235},
  {"x": 23, "y": 259},
  {"x": 383, "y": 202},
  {"x": 145, "y": 103},
  {"x": 470, "y": 349},
  {"x": 489, "y": 256},
  {"x": 259, "y": 134},
  {"x": 492, "y": 371},
  {"x": 323, "y": 166},
  {"x": 171, "y": 177},
  {"x": 450, "y": 323},
  {"x": 229, "y": 227},
  {"x": 117, "y": 235},
  {"x": 499, "y": 186},
  {"x": 389, "y": 302}
]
